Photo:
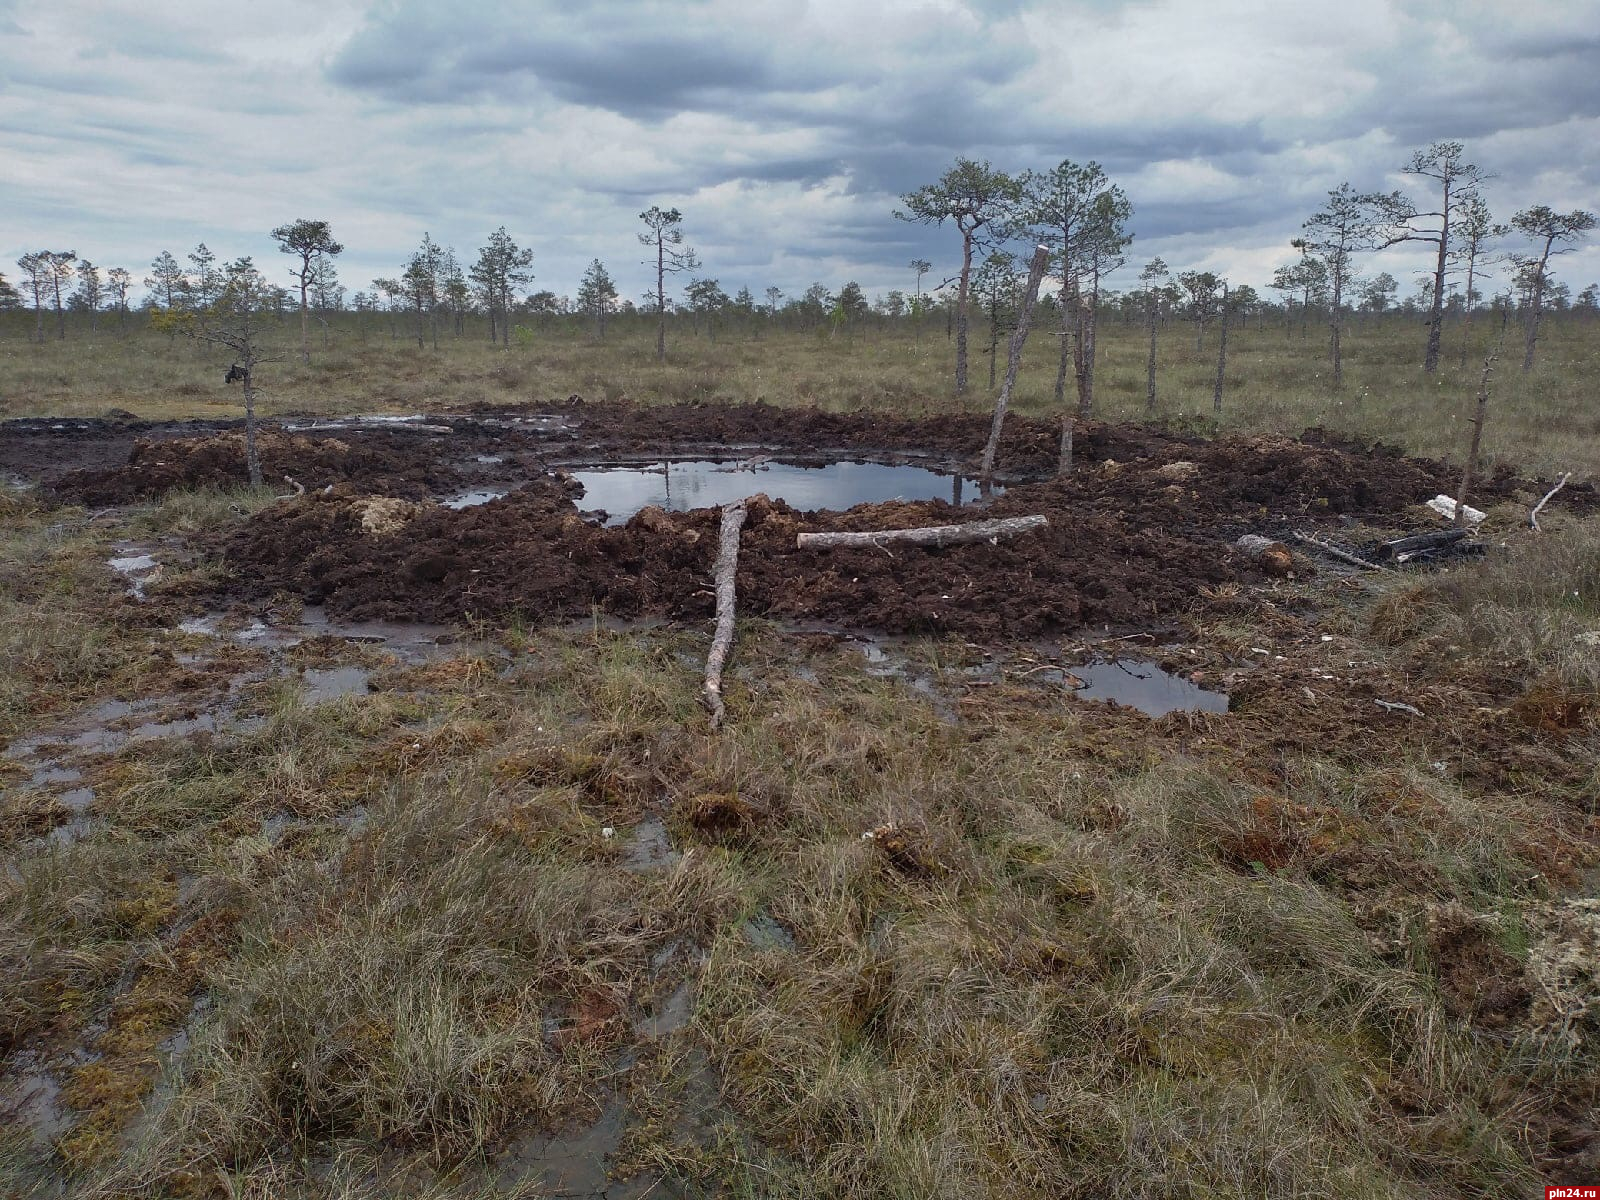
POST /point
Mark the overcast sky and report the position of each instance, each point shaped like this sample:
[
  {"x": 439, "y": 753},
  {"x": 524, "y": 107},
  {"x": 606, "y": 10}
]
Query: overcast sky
[{"x": 783, "y": 129}]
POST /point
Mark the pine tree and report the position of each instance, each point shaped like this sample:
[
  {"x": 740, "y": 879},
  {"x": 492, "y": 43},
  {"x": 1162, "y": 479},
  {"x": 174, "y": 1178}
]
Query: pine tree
[{"x": 597, "y": 296}]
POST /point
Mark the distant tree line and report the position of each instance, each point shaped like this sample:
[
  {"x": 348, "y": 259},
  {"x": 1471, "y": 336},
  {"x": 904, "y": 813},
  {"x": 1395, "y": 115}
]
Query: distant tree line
[{"x": 1074, "y": 210}]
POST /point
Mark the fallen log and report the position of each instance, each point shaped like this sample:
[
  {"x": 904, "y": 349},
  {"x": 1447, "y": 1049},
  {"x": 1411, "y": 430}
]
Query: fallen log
[
  {"x": 933, "y": 535},
  {"x": 727, "y": 570},
  {"x": 1335, "y": 552},
  {"x": 1400, "y": 549},
  {"x": 1272, "y": 557}
]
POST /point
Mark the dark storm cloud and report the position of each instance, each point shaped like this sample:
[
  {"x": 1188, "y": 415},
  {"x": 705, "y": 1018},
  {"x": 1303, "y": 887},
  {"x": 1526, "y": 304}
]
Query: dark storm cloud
[{"x": 624, "y": 58}]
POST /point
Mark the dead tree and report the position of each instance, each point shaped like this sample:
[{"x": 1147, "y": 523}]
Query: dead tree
[
  {"x": 1222, "y": 349},
  {"x": 1458, "y": 182},
  {"x": 1019, "y": 336},
  {"x": 1552, "y": 233},
  {"x": 663, "y": 233},
  {"x": 1477, "y": 436},
  {"x": 232, "y": 321}
]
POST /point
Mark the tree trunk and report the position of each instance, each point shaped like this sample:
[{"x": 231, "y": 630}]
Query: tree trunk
[
  {"x": 1466, "y": 316},
  {"x": 305, "y": 324},
  {"x": 1150, "y": 367},
  {"x": 962, "y": 299},
  {"x": 661, "y": 299},
  {"x": 1066, "y": 347},
  {"x": 252, "y": 457},
  {"x": 1084, "y": 355},
  {"x": 1272, "y": 557},
  {"x": 1537, "y": 314},
  {"x": 1064, "y": 458},
  {"x": 1019, "y": 337},
  {"x": 994, "y": 348},
  {"x": 1338, "y": 348},
  {"x": 1222, "y": 353},
  {"x": 1477, "y": 437},
  {"x": 1430, "y": 360}
]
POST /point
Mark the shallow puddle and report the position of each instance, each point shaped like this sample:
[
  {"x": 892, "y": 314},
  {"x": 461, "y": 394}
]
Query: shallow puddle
[
  {"x": 412, "y": 643},
  {"x": 648, "y": 846},
  {"x": 1136, "y": 683},
  {"x": 416, "y": 422},
  {"x": 764, "y": 933},
  {"x": 573, "y": 1163},
  {"x": 1132, "y": 682},
  {"x": 474, "y": 498},
  {"x": 136, "y": 567},
  {"x": 324, "y": 684},
  {"x": 672, "y": 1014},
  {"x": 34, "y": 1105}
]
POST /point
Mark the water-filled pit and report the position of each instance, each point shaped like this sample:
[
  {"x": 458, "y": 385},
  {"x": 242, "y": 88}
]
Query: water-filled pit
[{"x": 679, "y": 486}]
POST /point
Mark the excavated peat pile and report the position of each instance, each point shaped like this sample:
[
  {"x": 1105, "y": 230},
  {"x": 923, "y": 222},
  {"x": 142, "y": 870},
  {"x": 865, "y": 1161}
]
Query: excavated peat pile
[
  {"x": 1128, "y": 543},
  {"x": 403, "y": 463}
]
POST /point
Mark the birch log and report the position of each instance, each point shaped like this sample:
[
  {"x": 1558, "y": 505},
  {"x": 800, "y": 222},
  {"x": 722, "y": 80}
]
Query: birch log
[
  {"x": 933, "y": 535},
  {"x": 722, "y": 641}
]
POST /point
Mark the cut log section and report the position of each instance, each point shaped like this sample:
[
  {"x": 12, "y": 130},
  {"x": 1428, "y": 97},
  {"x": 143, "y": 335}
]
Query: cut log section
[
  {"x": 727, "y": 571},
  {"x": 1406, "y": 548},
  {"x": 933, "y": 535},
  {"x": 1272, "y": 557}
]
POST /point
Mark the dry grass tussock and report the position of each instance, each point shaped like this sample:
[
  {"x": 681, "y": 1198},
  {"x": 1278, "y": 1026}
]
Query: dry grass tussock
[{"x": 1533, "y": 609}]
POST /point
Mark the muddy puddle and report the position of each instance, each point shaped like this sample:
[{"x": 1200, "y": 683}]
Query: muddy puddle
[
  {"x": 571, "y": 1163},
  {"x": 411, "y": 642},
  {"x": 648, "y": 846},
  {"x": 682, "y": 486},
  {"x": 671, "y": 1015},
  {"x": 331, "y": 683},
  {"x": 136, "y": 566},
  {"x": 31, "y": 1103},
  {"x": 1141, "y": 684},
  {"x": 1131, "y": 682}
]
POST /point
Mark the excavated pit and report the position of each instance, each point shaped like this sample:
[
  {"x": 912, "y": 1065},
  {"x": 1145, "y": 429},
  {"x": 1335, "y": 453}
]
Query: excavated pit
[{"x": 486, "y": 515}]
